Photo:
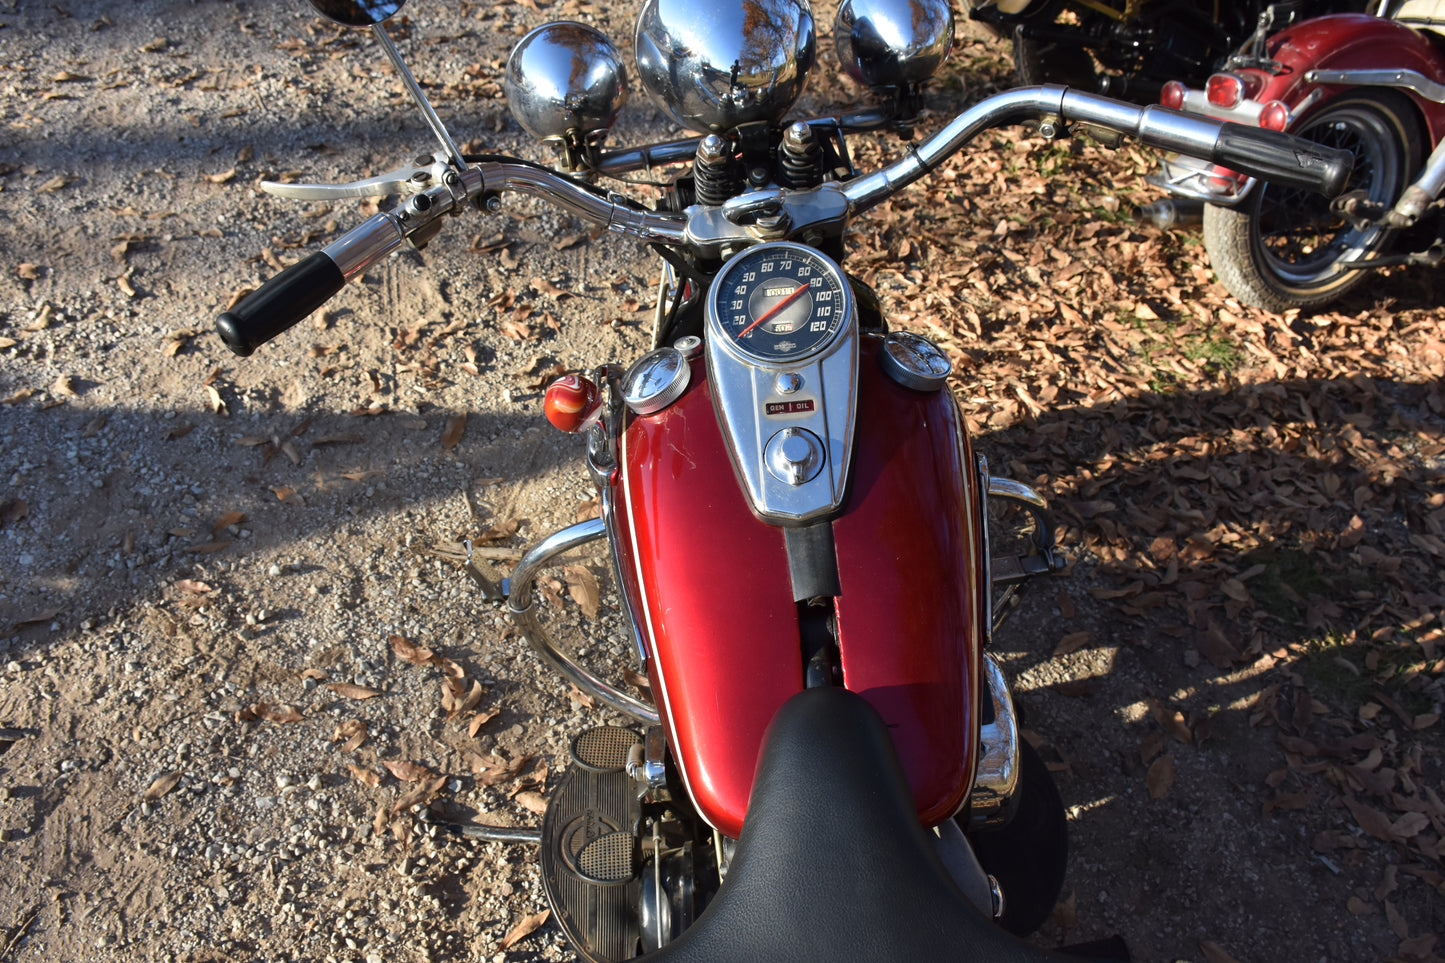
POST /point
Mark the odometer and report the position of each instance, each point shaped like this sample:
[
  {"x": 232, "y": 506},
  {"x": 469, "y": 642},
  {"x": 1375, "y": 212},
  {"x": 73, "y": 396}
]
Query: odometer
[{"x": 779, "y": 302}]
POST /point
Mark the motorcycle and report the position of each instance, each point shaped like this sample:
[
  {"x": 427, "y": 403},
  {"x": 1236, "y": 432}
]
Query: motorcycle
[
  {"x": 799, "y": 529},
  {"x": 1131, "y": 49},
  {"x": 1373, "y": 85}
]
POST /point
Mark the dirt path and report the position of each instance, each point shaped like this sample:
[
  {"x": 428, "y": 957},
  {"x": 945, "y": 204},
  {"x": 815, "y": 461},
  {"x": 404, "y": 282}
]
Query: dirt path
[{"x": 1237, "y": 688}]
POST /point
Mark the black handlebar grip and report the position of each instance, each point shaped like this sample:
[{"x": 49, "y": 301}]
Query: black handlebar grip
[
  {"x": 1283, "y": 159},
  {"x": 279, "y": 303}
]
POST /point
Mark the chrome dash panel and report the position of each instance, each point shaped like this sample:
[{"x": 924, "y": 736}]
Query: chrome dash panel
[{"x": 766, "y": 406}]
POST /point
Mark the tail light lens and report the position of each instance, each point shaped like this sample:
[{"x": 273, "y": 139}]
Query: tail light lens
[
  {"x": 1224, "y": 90},
  {"x": 1274, "y": 116},
  {"x": 1172, "y": 96}
]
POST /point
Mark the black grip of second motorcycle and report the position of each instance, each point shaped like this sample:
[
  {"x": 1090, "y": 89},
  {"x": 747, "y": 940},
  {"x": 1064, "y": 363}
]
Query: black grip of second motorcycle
[
  {"x": 1283, "y": 159},
  {"x": 279, "y": 303}
]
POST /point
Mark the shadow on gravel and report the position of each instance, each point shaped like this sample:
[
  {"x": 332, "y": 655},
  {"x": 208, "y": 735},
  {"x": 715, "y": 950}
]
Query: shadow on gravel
[
  {"x": 1176, "y": 494},
  {"x": 165, "y": 492}
]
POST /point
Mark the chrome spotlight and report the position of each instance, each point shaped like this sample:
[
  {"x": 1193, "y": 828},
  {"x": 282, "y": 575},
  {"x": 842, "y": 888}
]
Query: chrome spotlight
[
  {"x": 715, "y": 64},
  {"x": 893, "y": 45},
  {"x": 565, "y": 84}
]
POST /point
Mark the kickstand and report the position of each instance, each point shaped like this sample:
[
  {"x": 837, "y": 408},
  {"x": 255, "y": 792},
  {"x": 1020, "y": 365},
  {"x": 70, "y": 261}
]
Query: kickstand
[{"x": 521, "y": 835}]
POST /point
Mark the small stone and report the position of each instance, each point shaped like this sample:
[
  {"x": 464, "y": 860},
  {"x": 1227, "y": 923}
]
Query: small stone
[{"x": 274, "y": 570}]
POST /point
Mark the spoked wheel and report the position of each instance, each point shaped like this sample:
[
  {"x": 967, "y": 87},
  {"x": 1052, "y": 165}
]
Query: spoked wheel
[
  {"x": 1029, "y": 855},
  {"x": 1283, "y": 247}
]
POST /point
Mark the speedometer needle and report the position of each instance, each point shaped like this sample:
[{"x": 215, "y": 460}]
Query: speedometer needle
[{"x": 797, "y": 293}]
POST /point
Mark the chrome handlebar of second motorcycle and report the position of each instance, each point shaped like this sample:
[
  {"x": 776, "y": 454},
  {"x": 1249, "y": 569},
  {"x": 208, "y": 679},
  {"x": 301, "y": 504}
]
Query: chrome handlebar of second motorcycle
[
  {"x": 707, "y": 230},
  {"x": 767, "y": 213}
]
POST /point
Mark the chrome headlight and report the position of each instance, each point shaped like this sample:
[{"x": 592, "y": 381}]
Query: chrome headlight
[
  {"x": 892, "y": 43},
  {"x": 715, "y": 64},
  {"x": 565, "y": 81}
]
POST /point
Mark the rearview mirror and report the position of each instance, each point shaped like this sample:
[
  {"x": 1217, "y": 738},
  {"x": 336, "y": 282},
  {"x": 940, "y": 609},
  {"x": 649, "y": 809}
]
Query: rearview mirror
[{"x": 357, "y": 13}]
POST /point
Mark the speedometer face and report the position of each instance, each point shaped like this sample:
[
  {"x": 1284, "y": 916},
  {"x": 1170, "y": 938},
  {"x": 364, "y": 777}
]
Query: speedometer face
[{"x": 780, "y": 302}]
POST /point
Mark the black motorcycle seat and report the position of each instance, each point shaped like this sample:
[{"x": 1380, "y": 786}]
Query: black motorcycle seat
[{"x": 832, "y": 863}]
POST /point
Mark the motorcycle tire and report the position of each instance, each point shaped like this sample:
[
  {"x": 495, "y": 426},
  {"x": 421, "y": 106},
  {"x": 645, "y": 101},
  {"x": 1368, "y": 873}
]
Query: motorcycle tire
[
  {"x": 1029, "y": 856},
  {"x": 1283, "y": 247}
]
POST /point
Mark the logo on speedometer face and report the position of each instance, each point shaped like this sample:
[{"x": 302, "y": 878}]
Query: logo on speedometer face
[{"x": 779, "y": 302}]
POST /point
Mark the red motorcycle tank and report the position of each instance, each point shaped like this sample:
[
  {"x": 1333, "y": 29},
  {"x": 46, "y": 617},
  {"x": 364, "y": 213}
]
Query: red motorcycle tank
[{"x": 709, "y": 583}]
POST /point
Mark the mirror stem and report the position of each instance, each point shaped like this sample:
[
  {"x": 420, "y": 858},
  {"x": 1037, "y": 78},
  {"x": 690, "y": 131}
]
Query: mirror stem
[{"x": 432, "y": 120}]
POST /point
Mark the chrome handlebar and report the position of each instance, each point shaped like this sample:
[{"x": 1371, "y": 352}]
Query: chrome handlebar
[{"x": 437, "y": 188}]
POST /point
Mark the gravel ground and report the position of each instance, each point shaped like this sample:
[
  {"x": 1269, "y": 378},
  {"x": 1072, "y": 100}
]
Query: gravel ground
[{"x": 191, "y": 539}]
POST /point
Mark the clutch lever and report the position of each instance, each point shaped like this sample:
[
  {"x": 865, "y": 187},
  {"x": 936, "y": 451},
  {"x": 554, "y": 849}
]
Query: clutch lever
[{"x": 428, "y": 170}]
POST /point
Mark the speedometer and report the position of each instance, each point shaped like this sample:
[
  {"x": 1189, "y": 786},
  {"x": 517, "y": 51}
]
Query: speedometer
[{"x": 779, "y": 302}]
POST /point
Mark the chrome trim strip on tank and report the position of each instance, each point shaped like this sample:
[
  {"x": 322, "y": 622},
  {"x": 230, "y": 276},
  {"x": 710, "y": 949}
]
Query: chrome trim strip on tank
[
  {"x": 524, "y": 613},
  {"x": 983, "y": 477},
  {"x": 608, "y": 505},
  {"x": 664, "y": 701},
  {"x": 995, "y": 781},
  {"x": 603, "y": 444}
]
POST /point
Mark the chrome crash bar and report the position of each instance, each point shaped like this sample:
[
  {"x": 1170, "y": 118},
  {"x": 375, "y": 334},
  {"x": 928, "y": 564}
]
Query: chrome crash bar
[{"x": 523, "y": 609}]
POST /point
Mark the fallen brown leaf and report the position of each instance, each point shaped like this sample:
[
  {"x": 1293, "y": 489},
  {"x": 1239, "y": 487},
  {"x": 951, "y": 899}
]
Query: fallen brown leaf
[
  {"x": 369, "y": 778},
  {"x": 481, "y": 719},
  {"x": 421, "y": 795},
  {"x": 1171, "y": 720},
  {"x": 532, "y": 801},
  {"x": 227, "y": 520},
  {"x": 409, "y": 651},
  {"x": 161, "y": 785},
  {"x": 1160, "y": 777},
  {"x": 269, "y": 712},
  {"x": 1214, "y": 953},
  {"x": 408, "y": 771},
  {"x": 495, "y": 770},
  {"x": 584, "y": 588},
  {"x": 1072, "y": 642},
  {"x": 353, "y": 732},
  {"x": 210, "y": 548},
  {"x": 350, "y": 690},
  {"x": 500, "y": 531},
  {"x": 452, "y": 433},
  {"x": 526, "y": 927}
]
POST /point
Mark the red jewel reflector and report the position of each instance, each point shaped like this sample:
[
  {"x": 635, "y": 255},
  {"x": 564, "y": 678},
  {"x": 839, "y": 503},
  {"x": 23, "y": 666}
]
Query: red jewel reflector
[
  {"x": 1274, "y": 116},
  {"x": 1172, "y": 96},
  {"x": 572, "y": 403},
  {"x": 1224, "y": 90}
]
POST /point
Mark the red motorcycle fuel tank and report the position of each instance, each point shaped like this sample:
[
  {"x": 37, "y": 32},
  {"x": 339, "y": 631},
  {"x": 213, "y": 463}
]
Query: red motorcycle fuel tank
[{"x": 710, "y": 585}]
